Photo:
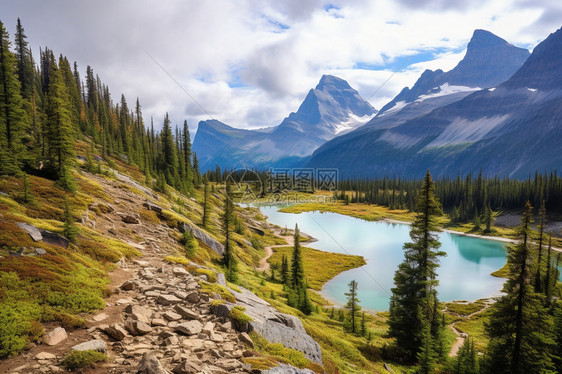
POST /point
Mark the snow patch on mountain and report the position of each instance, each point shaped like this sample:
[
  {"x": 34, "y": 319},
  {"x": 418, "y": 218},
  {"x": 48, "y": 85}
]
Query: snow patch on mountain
[
  {"x": 462, "y": 131},
  {"x": 446, "y": 89},
  {"x": 351, "y": 124}
]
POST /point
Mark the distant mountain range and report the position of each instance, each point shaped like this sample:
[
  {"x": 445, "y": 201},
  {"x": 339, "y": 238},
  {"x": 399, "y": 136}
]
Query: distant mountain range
[
  {"x": 512, "y": 129},
  {"x": 332, "y": 108},
  {"x": 499, "y": 110}
]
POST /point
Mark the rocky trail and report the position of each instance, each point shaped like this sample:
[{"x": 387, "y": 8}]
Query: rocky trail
[
  {"x": 158, "y": 319},
  {"x": 264, "y": 265}
]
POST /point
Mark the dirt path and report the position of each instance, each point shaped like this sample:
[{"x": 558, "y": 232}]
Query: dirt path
[
  {"x": 264, "y": 265},
  {"x": 461, "y": 337}
]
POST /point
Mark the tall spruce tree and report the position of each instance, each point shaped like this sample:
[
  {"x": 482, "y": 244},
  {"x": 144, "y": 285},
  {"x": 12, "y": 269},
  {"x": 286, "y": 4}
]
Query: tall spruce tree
[
  {"x": 60, "y": 132},
  {"x": 187, "y": 157},
  {"x": 285, "y": 278},
  {"x": 12, "y": 114},
  {"x": 413, "y": 301},
  {"x": 538, "y": 275},
  {"x": 520, "y": 327},
  {"x": 228, "y": 259},
  {"x": 353, "y": 307},
  {"x": 297, "y": 268},
  {"x": 206, "y": 202}
]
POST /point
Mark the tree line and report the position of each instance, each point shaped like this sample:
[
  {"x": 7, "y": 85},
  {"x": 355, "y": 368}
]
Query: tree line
[
  {"x": 45, "y": 107},
  {"x": 462, "y": 197}
]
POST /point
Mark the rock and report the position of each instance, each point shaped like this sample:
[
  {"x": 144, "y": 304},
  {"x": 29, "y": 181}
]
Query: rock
[
  {"x": 193, "y": 297},
  {"x": 137, "y": 327},
  {"x": 187, "y": 367},
  {"x": 180, "y": 294},
  {"x": 158, "y": 322},
  {"x": 221, "y": 279},
  {"x": 45, "y": 356},
  {"x": 388, "y": 368},
  {"x": 171, "y": 340},
  {"x": 100, "y": 317},
  {"x": 129, "y": 219},
  {"x": 148, "y": 205},
  {"x": 186, "y": 313},
  {"x": 203, "y": 236},
  {"x": 171, "y": 316},
  {"x": 149, "y": 364},
  {"x": 55, "y": 336},
  {"x": 141, "y": 263},
  {"x": 221, "y": 310},
  {"x": 287, "y": 369},
  {"x": 209, "y": 328},
  {"x": 116, "y": 331},
  {"x": 167, "y": 300},
  {"x": 180, "y": 272},
  {"x": 40, "y": 251},
  {"x": 189, "y": 328},
  {"x": 54, "y": 239},
  {"x": 137, "y": 309},
  {"x": 276, "y": 327},
  {"x": 128, "y": 285},
  {"x": 463, "y": 335},
  {"x": 33, "y": 231},
  {"x": 230, "y": 364},
  {"x": 94, "y": 345},
  {"x": 140, "y": 317},
  {"x": 245, "y": 338}
]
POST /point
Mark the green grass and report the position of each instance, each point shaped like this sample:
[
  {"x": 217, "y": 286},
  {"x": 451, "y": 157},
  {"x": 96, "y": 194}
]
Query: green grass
[
  {"x": 464, "y": 309},
  {"x": 81, "y": 359},
  {"x": 319, "y": 266}
]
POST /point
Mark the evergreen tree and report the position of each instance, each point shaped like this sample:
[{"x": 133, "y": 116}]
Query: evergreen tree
[
  {"x": 352, "y": 306},
  {"x": 363, "y": 325},
  {"x": 206, "y": 203},
  {"x": 169, "y": 158},
  {"x": 27, "y": 197},
  {"x": 228, "y": 259},
  {"x": 12, "y": 114},
  {"x": 187, "y": 157},
  {"x": 466, "y": 361},
  {"x": 413, "y": 301},
  {"x": 190, "y": 243},
  {"x": 426, "y": 355},
  {"x": 489, "y": 219},
  {"x": 549, "y": 285},
  {"x": 70, "y": 230},
  {"x": 196, "y": 173},
  {"x": 542, "y": 222},
  {"x": 60, "y": 132},
  {"x": 297, "y": 268},
  {"x": 25, "y": 68},
  {"x": 285, "y": 271},
  {"x": 520, "y": 327}
]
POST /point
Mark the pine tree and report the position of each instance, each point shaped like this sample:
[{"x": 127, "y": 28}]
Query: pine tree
[
  {"x": 542, "y": 222},
  {"x": 60, "y": 132},
  {"x": 297, "y": 268},
  {"x": 520, "y": 327},
  {"x": 70, "y": 231},
  {"x": 412, "y": 305},
  {"x": 489, "y": 219},
  {"x": 12, "y": 114},
  {"x": 24, "y": 61},
  {"x": 206, "y": 203},
  {"x": 228, "y": 259},
  {"x": 285, "y": 271},
  {"x": 27, "y": 197},
  {"x": 426, "y": 355},
  {"x": 363, "y": 325},
  {"x": 196, "y": 173},
  {"x": 187, "y": 157},
  {"x": 466, "y": 361},
  {"x": 548, "y": 284},
  {"x": 352, "y": 306},
  {"x": 169, "y": 157}
]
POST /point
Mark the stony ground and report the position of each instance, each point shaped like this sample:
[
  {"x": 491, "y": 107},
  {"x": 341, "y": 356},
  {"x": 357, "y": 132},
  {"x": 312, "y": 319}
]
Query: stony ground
[{"x": 156, "y": 321}]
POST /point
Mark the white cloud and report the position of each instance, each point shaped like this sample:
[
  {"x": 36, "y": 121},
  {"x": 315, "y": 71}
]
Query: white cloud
[{"x": 276, "y": 50}]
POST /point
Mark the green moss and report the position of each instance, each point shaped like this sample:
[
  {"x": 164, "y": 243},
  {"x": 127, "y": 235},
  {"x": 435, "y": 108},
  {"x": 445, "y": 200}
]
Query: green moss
[
  {"x": 81, "y": 359},
  {"x": 215, "y": 288},
  {"x": 177, "y": 260},
  {"x": 211, "y": 274}
]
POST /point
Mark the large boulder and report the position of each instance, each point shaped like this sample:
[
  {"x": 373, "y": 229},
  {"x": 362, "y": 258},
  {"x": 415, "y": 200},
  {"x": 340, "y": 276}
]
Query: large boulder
[
  {"x": 33, "y": 231},
  {"x": 274, "y": 326},
  {"x": 92, "y": 345},
  {"x": 207, "y": 239},
  {"x": 287, "y": 369},
  {"x": 150, "y": 206},
  {"x": 55, "y": 336},
  {"x": 54, "y": 239},
  {"x": 149, "y": 364}
]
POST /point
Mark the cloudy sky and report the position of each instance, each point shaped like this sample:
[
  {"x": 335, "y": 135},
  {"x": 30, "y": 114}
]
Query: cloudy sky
[{"x": 249, "y": 63}]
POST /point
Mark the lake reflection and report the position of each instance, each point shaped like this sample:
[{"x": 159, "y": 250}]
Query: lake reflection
[{"x": 464, "y": 273}]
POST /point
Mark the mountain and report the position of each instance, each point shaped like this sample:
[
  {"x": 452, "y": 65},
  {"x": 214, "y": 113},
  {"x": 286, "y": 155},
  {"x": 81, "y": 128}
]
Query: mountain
[
  {"x": 512, "y": 129},
  {"x": 489, "y": 60},
  {"x": 330, "y": 109}
]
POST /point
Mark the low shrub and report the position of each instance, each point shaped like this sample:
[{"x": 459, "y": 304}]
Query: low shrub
[{"x": 81, "y": 359}]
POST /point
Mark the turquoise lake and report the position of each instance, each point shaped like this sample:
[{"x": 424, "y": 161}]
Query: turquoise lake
[{"x": 464, "y": 273}]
